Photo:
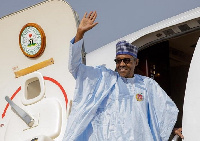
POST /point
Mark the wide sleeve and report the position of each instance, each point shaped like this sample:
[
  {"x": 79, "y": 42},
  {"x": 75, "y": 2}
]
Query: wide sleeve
[
  {"x": 75, "y": 65},
  {"x": 93, "y": 84},
  {"x": 75, "y": 57},
  {"x": 163, "y": 111}
]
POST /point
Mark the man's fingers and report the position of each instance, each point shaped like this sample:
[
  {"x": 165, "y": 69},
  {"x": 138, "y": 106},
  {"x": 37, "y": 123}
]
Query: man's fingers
[
  {"x": 94, "y": 24},
  {"x": 88, "y": 21},
  {"x": 90, "y": 14},
  {"x": 94, "y": 16},
  {"x": 182, "y": 137},
  {"x": 178, "y": 131},
  {"x": 85, "y": 15}
]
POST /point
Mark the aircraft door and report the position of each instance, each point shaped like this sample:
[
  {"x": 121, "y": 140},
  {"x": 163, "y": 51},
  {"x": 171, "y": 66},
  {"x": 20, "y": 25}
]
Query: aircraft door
[{"x": 191, "y": 112}]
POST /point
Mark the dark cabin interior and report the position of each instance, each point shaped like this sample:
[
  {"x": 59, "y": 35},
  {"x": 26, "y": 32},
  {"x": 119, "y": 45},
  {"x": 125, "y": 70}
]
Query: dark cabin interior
[{"x": 168, "y": 63}]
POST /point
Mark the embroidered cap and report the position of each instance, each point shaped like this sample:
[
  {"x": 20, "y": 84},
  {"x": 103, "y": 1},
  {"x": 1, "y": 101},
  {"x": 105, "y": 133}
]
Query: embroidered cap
[{"x": 124, "y": 47}]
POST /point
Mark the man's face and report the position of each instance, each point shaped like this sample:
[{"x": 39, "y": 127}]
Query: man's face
[{"x": 125, "y": 65}]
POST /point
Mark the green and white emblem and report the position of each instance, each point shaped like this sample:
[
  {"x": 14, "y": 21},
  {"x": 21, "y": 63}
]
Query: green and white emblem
[{"x": 32, "y": 40}]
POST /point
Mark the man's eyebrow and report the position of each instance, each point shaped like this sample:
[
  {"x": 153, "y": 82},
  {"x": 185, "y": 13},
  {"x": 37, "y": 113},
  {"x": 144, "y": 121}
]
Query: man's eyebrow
[{"x": 124, "y": 58}]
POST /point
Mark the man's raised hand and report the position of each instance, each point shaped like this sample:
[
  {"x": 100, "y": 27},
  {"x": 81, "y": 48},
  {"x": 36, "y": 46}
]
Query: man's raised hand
[{"x": 87, "y": 23}]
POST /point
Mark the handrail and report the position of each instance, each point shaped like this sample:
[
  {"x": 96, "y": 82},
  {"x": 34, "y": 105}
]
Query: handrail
[{"x": 175, "y": 138}]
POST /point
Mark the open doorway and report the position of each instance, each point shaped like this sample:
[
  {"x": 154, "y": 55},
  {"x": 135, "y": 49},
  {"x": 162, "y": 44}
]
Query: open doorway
[{"x": 168, "y": 63}]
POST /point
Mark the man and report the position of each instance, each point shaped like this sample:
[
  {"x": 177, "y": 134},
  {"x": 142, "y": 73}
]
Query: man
[{"x": 116, "y": 106}]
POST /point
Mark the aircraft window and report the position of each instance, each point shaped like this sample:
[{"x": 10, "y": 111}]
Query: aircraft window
[
  {"x": 198, "y": 21},
  {"x": 33, "y": 89},
  {"x": 168, "y": 32},
  {"x": 184, "y": 27}
]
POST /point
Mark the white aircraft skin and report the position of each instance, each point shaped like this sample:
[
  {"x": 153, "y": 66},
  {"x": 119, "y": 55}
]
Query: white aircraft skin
[
  {"x": 48, "y": 74},
  {"x": 42, "y": 85}
]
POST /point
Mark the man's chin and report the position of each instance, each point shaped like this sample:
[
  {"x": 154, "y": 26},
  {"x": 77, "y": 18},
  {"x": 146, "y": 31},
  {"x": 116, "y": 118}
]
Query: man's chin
[
  {"x": 125, "y": 74},
  {"x": 122, "y": 74}
]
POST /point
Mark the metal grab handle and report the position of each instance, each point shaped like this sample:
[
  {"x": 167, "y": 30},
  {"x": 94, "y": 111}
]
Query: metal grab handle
[
  {"x": 175, "y": 138},
  {"x": 22, "y": 114}
]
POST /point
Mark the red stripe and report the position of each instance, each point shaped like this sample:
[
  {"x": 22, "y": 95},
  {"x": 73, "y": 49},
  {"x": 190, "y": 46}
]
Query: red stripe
[
  {"x": 45, "y": 78},
  {"x": 59, "y": 85}
]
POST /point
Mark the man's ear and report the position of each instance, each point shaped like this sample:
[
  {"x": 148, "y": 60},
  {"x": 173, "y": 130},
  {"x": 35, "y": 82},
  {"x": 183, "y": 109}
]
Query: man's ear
[{"x": 136, "y": 62}]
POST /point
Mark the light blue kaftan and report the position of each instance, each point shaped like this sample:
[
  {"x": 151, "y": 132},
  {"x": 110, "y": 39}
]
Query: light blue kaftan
[{"x": 107, "y": 107}]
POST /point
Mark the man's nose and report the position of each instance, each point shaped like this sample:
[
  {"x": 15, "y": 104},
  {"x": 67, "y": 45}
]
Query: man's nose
[{"x": 122, "y": 63}]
